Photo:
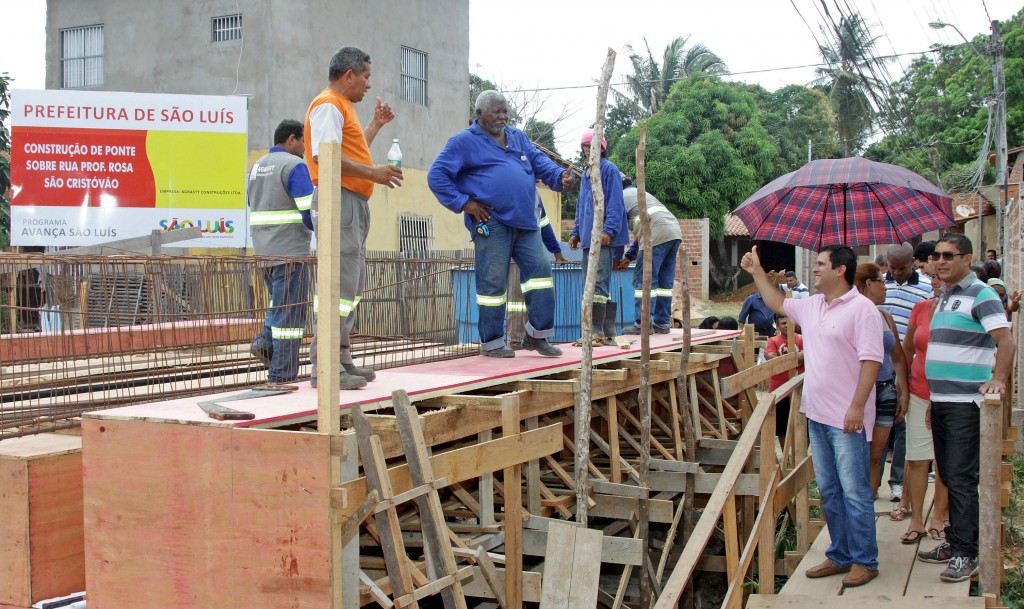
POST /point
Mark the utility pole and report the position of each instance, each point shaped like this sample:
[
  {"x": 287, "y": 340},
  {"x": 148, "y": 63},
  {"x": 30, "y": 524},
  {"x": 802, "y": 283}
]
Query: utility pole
[{"x": 999, "y": 86}]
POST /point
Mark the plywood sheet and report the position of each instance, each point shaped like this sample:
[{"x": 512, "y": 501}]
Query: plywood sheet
[
  {"x": 420, "y": 381},
  {"x": 204, "y": 517},
  {"x": 14, "y": 565}
]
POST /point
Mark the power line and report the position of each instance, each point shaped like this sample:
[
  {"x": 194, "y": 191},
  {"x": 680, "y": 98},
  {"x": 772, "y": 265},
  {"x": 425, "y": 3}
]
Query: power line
[{"x": 741, "y": 73}]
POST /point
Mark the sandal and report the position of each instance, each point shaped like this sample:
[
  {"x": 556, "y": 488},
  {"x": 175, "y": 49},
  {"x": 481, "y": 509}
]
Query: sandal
[
  {"x": 912, "y": 537},
  {"x": 898, "y": 513},
  {"x": 936, "y": 534}
]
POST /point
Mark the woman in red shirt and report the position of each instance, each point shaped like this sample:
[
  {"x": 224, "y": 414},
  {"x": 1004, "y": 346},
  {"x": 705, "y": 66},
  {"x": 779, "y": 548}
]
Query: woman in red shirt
[
  {"x": 920, "y": 451},
  {"x": 779, "y": 345}
]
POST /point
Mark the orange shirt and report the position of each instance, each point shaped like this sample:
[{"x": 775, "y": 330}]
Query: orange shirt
[{"x": 353, "y": 142}]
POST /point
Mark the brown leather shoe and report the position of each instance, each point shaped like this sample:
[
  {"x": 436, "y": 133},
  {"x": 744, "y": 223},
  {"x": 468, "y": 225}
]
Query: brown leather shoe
[
  {"x": 825, "y": 569},
  {"x": 859, "y": 576}
]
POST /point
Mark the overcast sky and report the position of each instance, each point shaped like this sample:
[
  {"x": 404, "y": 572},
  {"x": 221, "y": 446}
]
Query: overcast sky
[{"x": 551, "y": 44}]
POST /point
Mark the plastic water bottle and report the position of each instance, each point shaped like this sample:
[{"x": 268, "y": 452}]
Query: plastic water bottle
[{"x": 395, "y": 154}]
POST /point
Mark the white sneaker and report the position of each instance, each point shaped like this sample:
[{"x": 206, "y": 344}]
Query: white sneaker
[{"x": 896, "y": 492}]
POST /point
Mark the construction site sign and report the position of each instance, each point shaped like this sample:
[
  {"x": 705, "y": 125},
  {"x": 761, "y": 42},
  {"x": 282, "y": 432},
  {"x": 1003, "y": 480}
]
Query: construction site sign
[{"x": 88, "y": 167}]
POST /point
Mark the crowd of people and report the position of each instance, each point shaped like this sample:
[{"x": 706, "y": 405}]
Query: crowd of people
[{"x": 899, "y": 354}]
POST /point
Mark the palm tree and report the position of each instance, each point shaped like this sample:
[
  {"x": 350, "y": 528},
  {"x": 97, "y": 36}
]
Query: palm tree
[
  {"x": 650, "y": 82},
  {"x": 849, "y": 79}
]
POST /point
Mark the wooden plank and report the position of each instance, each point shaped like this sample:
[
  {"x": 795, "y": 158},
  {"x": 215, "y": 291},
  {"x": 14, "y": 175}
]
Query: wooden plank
[
  {"x": 614, "y": 550},
  {"x": 476, "y": 586},
  {"x": 491, "y": 576},
  {"x": 513, "y": 523},
  {"x": 464, "y": 463},
  {"x": 770, "y": 601},
  {"x": 558, "y": 568},
  {"x": 586, "y": 569},
  {"x": 824, "y": 587},
  {"x": 746, "y": 485},
  {"x": 895, "y": 561},
  {"x": 435, "y": 532},
  {"x": 990, "y": 552},
  {"x": 621, "y": 508},
  {"x": 751, "y": 377}
]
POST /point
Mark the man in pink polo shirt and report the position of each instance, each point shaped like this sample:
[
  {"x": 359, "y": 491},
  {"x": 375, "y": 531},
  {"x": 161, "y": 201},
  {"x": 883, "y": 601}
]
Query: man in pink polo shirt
[{"x": 842, "y": 333}]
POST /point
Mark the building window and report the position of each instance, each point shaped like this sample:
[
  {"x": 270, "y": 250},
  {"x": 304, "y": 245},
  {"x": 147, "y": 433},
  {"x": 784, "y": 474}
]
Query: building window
[
  {"x": 81, "y": 57},
  {"x": 414, "y": 76},
  {"x": 415, "y": 233},
  {"x": 225, "y": 28}
]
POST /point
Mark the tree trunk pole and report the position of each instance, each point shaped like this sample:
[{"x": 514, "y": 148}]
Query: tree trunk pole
[
  {"x": 643, "y": 514},
  {"x": 690, "y": 426},
  {"x": 586, "y": 315}
]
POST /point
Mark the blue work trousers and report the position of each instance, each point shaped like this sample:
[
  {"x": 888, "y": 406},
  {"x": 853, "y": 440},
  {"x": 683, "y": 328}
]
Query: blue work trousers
[
  {"x": 603, "y": 287},
  {"x": 663, "y": 277},
  {"x": 842, "y": 462},
  {"x": 493, "y": 255},
  {"x": 285, "y": 324}
]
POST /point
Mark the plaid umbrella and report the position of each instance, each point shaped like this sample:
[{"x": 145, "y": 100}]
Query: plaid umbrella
[{"x": 850, "y": 201}]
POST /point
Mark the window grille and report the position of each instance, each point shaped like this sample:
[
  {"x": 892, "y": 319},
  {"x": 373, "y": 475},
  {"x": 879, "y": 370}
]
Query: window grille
[
  {"x": 81, "y": 57},
  {"x": 226, "y": 27},
  {"x": 415, "y": 233},
  {"x": 414, "y": 76}
]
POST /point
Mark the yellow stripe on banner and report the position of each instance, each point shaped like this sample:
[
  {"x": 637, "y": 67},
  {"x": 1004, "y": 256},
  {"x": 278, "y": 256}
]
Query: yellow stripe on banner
[
  {"x": 537, "y": 283},
  {"x": 304, "y": 203},
  {"x": 490, "y": 301},
  {"x": 286, "y": 333},
  {"x": 517, "y": 307}
]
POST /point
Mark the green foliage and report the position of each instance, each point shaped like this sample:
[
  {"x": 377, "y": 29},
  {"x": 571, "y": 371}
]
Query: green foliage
[
  {"x": 477, "y": 86},
  {"x": 943, "y": 109},
  {"x": 706, "y": 150},
  {"x": 794, "y": 115},
  {"x": 5, "y": 164},
  {"x": 540, "y": 132},
  {"x": 849, "y": 79}
]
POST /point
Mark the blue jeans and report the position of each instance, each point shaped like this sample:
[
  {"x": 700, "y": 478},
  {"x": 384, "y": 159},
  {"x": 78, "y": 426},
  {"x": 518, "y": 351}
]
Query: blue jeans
[
  {"x": 603, "y": 287},
  {"x": 285, "y": 324},
  {"x": 841, "y": 466},
  {"x": 493, "y": 254},
  {"x": 663, "y": 277}
]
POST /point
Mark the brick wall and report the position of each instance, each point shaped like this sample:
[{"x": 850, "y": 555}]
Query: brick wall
[{"x": 696, "y": 235}]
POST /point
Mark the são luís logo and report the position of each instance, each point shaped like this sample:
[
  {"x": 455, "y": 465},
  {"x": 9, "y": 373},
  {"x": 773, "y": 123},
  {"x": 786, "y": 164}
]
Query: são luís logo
[{"x": 210, "y": 227}]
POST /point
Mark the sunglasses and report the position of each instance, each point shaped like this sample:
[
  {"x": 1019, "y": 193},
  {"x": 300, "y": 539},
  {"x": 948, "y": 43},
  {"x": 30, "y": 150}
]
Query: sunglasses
[{"x": 947, "y": 256}]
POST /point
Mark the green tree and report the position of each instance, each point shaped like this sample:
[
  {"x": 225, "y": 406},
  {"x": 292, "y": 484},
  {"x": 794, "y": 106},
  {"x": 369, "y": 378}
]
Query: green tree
[
  {"x": 5, "y": 163},
  {"x": 943, "y": 101},
  {"x": 794, "y": 115},
  {"x": 706, "y": 149},
  {"x": 849, "y": 79}
]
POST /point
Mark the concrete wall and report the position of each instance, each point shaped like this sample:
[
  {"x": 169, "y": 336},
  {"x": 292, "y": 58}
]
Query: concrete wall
[{"x": 164, "y": 47}]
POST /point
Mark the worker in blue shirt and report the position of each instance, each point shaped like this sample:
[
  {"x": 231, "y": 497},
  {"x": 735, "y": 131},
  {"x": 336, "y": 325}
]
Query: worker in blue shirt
[
  {"x": 755, "y": 311},
  {"x": 547, "y": 233},
  {"x": 614, "y": 235},
  {"x": 488, "y": 173}
]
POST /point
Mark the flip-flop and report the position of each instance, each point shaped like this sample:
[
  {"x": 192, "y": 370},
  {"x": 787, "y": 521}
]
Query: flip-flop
[
  {"x": 898, "y": 513},
  {"x": 912, "y": 537},
  {"x": 936, "y": 533}
]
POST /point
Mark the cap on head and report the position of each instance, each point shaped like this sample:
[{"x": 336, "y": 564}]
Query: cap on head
[{"x": 588, "y": 136}]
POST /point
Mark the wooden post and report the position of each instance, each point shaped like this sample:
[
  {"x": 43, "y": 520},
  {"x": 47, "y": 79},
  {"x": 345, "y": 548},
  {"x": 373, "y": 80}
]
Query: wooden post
[
  {"x": 513, "y": 524},
  {"x": 691, "y": 424},
  {"x": 643, "y": 513},
  {"x": 329, "y": 337},
  {"x": 767, "y": 477},
  {"x": 989, "y": 546},
  {"x": 582, "y": 401}
]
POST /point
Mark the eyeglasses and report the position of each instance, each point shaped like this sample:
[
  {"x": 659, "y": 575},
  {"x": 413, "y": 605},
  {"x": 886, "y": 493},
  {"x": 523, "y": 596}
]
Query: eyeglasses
[{"x": 947, "y": 256}]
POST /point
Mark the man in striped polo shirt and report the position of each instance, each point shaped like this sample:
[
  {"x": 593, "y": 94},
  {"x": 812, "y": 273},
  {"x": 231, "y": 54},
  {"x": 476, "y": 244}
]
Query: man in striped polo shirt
[
  {"x": 969, "y": 332},
  {"x": 904, "y": 288}
]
